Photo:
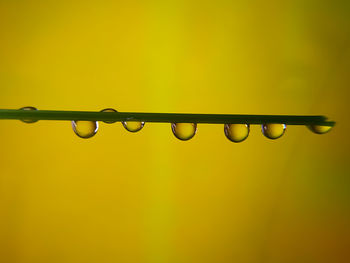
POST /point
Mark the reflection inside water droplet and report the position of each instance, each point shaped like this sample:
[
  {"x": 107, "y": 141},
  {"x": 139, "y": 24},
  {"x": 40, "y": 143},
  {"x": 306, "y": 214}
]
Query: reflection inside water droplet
[
  {"x": 236, "y": 132},
  {"x": 85, "y": 129},
  {"x": 29, "y": 108},
  {"x": 133, "y": 126},
  {"x": 273, "y": 130},
  {"x": 109, "y": 110},
  {"x": 320, "y": 129},
  {"x": 184, "y": 131}
]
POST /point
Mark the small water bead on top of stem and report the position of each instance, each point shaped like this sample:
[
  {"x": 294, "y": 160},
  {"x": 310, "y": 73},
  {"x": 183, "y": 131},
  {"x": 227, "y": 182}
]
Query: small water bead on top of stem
[
  {"x": 184, "y": 131},
  {"x": 28, "y": 108},
  {"x": 273, "y": 130},
  {"x": 109, "y": 110},
  {"x": 133, "y": 126},
  {"x": 320, "y": 129},
  {"x": 236, "y": 132},
  {"x": 85, "y": 129}
]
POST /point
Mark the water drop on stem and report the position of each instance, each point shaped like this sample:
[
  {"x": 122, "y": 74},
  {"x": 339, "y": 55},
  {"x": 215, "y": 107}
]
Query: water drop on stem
[
  {"x": 320, "y": 129},
  {"x": 85, "y": 129},
  {"x": 28, "y": 108},
  {"x": 273, "y": 130},
  {"x": 184, "y": 131},
  {"x": 133, "y": 126},
  {"x": 236, "y": 132},
  {"x": 109, "y": 110}
]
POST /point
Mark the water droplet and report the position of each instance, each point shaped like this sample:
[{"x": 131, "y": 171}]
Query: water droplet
[
  {"x": 320, "y": 129},
  {"x": 184, "y": 131},
  {"x": 273, "y": 130},
  {"x": 85, "y": 129},
  {"x": 109, "y": 110},
  {"x": 29, "y": 108},
  {"x": 236, "y": 132},
  {"x": 133, "y": 126}
]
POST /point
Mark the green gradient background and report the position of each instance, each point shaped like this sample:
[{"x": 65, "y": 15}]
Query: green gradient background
[{"x": 148, "y": 197}]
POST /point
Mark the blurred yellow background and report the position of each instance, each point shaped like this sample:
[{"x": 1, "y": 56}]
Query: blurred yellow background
[{"x": 148, "y": 197}]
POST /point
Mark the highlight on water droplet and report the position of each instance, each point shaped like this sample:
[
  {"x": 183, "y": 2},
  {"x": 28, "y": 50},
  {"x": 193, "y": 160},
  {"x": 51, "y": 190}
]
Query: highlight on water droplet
[
  {"x": 109, "y": 110},
  {"x": 236, "y": 132},
  {"x": 273, "y": 130},
  {"x": 133, "y": 126},
  {"x": 28, "y": 108},
  {"x": 320, "y": 129},
  {"x": 184, "y": 131},
  {"x": 85, "y": 129}
]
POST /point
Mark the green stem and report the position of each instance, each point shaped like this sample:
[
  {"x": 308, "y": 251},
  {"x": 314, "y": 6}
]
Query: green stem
[{"x": 163, "y": 117}]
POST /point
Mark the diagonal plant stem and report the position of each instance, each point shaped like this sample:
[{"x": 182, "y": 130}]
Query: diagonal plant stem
[{"x": 163, "y": 117}]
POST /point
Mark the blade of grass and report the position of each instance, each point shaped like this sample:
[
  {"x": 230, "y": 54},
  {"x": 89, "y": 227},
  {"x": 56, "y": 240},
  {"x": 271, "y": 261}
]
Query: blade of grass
[{"x": 163, "y": 117}]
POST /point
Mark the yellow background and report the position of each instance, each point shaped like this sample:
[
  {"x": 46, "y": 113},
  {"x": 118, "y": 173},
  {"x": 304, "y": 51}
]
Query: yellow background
[{"x": 148, "y": 197}]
